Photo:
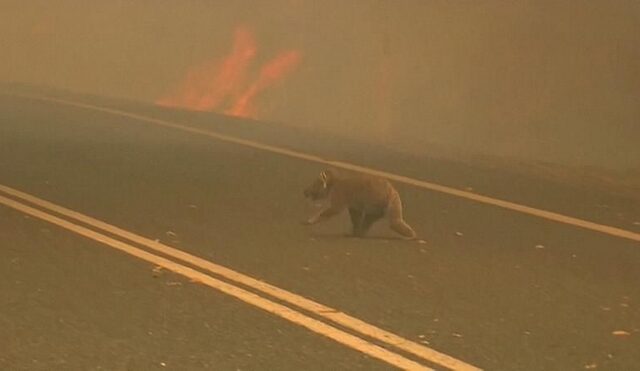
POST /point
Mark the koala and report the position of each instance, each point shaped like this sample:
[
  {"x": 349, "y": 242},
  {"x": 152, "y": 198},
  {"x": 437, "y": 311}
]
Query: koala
[{"x": 367, "y": 198}]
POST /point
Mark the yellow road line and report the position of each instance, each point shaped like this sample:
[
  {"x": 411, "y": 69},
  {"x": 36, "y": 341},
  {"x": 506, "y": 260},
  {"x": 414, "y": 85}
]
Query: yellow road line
[
  {"x": 549, "y": 215},
  {"x": 279, "y": 310},
  {"x": 318, "y": 309}
]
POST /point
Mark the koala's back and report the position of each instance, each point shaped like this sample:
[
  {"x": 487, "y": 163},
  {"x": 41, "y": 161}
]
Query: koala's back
[{"x": 362, "y": 191}]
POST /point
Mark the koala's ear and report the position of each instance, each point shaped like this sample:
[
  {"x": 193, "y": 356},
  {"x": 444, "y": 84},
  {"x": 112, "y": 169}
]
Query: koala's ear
[
  {"x": 323, "y": 176},
  {"x": 324, "y": 179}
]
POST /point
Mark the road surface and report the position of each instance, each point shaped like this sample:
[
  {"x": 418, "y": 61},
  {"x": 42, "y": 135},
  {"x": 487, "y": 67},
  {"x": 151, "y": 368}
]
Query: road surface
[{"x": 491, "y": 288}]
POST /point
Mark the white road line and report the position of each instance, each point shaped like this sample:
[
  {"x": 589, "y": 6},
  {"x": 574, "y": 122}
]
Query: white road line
[
  {"x": 279, "y": 310},
  {"x": 549, "y": 215},
  {"x": 318, "y": 309}
]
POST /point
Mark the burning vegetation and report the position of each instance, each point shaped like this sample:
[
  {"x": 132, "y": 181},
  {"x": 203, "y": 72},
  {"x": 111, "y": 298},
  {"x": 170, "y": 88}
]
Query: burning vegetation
[{"x": 227, "y": 85}]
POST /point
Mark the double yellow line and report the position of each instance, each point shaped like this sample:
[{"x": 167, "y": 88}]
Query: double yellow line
[{"x": 240, "y": 286}]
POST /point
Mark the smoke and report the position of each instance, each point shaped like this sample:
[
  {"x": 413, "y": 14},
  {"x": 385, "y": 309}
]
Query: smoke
[{"x": 556, "y": 81}]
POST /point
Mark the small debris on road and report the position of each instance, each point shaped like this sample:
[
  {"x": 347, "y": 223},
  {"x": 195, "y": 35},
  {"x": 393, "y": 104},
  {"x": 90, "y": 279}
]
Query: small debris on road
[
  {"x": 455, "y": 334},
  {"x": 171, "y": 234},
  {"x": 459, "y": 234},
  {"x": 156, "y": 271},
  {"x": 192, "y": 206},
  {"x": 306, "y": 269},
  {"x": 636, "y": 223},
  {"x": 539, "y": 246},
  {"x": 423, "y": 242},
  {"x": 591, "y": 366}
]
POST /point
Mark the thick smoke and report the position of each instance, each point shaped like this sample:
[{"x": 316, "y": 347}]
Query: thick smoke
[{"x": 554, "y": 81}]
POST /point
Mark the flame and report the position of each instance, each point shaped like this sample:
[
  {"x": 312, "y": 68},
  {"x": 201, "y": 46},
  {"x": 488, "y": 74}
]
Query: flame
[
  {"x": 206, "y": 86},
  {"x": 271, "y": 73},
  {"x": 222, "y": 86}
]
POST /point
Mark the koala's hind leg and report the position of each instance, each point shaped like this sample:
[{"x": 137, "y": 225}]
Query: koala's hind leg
[
  {"x": 370, "y": 217},
  {"x": 396, "y": 221},
  {"x": 357, "y": 219}
]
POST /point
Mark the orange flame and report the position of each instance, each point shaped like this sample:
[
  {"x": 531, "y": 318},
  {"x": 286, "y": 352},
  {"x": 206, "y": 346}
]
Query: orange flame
[
  {"x": 206, "y": 86},
  {"x": 216, "y": 85},
  {"x": 270, "y": 74}
]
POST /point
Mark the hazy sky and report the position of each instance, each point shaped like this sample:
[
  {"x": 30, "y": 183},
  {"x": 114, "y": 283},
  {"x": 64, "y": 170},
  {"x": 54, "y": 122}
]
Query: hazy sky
[{"x": 555, "y": 80}]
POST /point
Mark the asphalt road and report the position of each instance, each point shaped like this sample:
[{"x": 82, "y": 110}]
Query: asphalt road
[{"x": 495, "y": 288}]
